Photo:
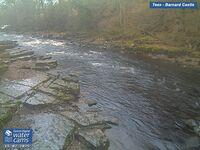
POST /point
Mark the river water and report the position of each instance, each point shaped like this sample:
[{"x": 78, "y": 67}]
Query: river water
[{"x": 150, "y": 98}]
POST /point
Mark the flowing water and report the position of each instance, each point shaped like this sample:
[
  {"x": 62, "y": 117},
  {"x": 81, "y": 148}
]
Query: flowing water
[{"x": 150, "y": 98}]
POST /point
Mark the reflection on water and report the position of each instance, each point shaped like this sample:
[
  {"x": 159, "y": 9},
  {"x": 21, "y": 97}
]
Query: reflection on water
[{"x": 150, "y": 99}]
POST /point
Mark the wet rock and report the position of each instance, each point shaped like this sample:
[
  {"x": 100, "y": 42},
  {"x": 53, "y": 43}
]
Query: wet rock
[
  {"x": 94, "y": 139},
  {"x": 45, "y": 57},
  {"x": 190, "y": 123},
  {"x": 194, "y": 125},
  {"x": 6, "y": 112},
  {"x": 25, "y": 67},
  {"x": 44, "y": 64},
  {"x": 89, "y": 119},
  {"x": 65, "y": 97},
  {"x": 6, "y": 62},
  {"x": 7, "y": 44},
  {"x": 71, "y": 78},
  {"x": 33, "y": 81},
  {"x": 42, "y": 68},
  {"x": 47, "y": 90},
  {"x": 19, "y": 88},
  {"x": 24, "y": 58},
  {"x": 3, "y": 67},
  {"x": 49, "y": 63},
  {"x": 49, "y": 82},
  {"x": 67, "y": 86},
  {"x": 112, "y": 120},
  {"x": 40, "y": 99},
  {"x": 13, "y": 89},
  {"x": 193, "y": 142},
  {"x": 5, "y": 99},
  {"x": 197, "y": 130},
  {"x": 60, "y": 89},
  {"x": 21, "y": 53},
  {"x": 91, "y": 102},
  {"x": 77, "y": 145},
  {"x": 7, "y": 108},
  {"x": 51, "y": 131}
]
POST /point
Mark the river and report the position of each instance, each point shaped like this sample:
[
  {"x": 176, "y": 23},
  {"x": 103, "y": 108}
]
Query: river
[{"x": 150, "y": 98}]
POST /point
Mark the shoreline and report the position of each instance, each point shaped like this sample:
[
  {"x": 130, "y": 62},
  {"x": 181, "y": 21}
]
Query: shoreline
[{"x": 146, "y": 47}]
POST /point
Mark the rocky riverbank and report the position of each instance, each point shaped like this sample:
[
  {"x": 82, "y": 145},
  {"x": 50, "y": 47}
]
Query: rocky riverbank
[
  {"x": 32, "y": 97},
  {"x": 145, "y": 46}
]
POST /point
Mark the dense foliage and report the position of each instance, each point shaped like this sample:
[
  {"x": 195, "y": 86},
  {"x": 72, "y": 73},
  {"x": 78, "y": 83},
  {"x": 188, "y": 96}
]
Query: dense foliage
[{"x": 111, "y": 16}]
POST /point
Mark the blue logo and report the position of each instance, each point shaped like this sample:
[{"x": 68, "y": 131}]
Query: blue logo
[
  {"x": 173, "y": 4},
  {"x": 17, "y": 136}
]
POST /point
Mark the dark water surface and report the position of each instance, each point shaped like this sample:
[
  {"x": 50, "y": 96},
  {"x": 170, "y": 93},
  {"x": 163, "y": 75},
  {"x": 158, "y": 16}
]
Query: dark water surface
[{"x": 150, "y": 98}]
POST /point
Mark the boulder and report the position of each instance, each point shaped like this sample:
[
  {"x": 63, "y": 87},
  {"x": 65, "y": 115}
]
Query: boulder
[{"x": 91, "y": 102}]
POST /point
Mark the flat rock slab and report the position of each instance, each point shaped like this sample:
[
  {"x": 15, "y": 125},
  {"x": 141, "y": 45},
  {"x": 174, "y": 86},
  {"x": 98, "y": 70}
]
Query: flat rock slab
[
  {"x": 51, "y": 131},
  {"x": 85, "y": 120},
  {"x": 94, "y": 139},
  {"x": 13, "y": 89},
  {"x": 45, "y": 65},
  {"x": 41, "y": 99},
  {"x": 16, "y": 71},
  {"x": 45, "y": 57},
  {"x": 33, "y": 81},
  {"x": 51, "y": 63},
  {"x": 21, "y": 53},
  {"x": 17, "y": 89},
  {"x": 23, "y": 58}
]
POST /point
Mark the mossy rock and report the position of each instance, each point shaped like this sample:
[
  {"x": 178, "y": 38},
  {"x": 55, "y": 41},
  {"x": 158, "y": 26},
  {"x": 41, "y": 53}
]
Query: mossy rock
[
  {"x": 6, "y": 112},
  {"x": 65, "y": 97},
  {"x": 3, "y": 67}
]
